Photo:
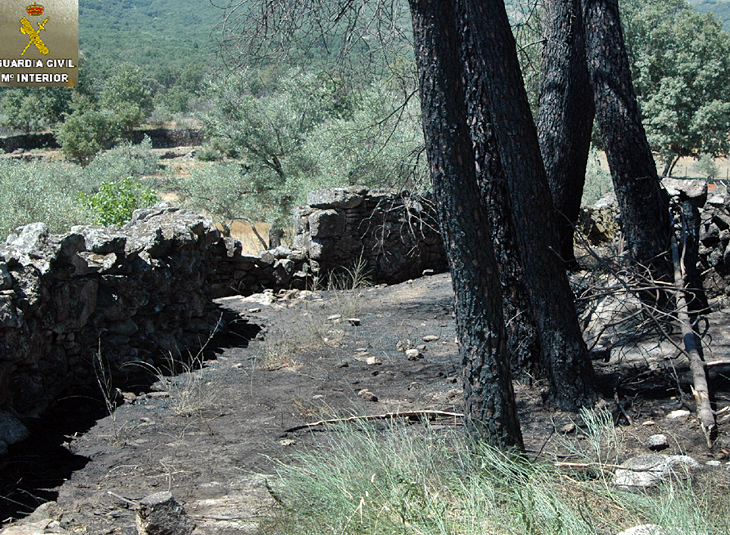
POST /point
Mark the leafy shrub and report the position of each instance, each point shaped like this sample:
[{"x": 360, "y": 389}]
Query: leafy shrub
[
  {"x": 706, "y": 167},
  {"x": 40, "y": 191},
  {"x": 124, "y": 160},
  {"x": 86, "y": 132},
  {"x": 207, "y": 154},
  {"x": 114, "y": 203}
]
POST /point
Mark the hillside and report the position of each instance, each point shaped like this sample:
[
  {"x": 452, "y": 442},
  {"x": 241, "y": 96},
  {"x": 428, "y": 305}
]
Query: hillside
[
  {"x": 150, "y": 33},
  {"x": 721, "y": 8}
]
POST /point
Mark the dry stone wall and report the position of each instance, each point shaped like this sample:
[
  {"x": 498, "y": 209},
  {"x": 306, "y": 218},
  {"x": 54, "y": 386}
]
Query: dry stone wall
[
  {"x": 122, "y": 299},
  {"x": 395, "y": 234}
]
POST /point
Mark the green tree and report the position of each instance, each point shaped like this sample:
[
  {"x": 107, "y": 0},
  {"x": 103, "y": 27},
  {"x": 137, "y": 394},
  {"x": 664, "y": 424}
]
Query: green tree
[
  {"x": 31, "y": 109},
  {"x": 680, "y": 62},
  {"x": 86, "y": 131},
  {"x": 127, "y": 96}
]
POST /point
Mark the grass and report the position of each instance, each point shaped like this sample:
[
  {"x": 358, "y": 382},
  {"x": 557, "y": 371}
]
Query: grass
[{"x": 423, "y": 481}]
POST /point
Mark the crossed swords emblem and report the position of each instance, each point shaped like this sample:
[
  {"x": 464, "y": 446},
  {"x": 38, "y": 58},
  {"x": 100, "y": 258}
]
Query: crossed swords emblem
[{"x": 32, "y": 33}]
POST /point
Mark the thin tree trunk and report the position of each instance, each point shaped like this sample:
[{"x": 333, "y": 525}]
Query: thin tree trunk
[
  {"x": 490, "y": 410},
  {"x": 644, "y": 206},
  {"x": 523, "y": 344},
  {"x": 565, "y": 113},
  {"x": 564, "y": 353}
]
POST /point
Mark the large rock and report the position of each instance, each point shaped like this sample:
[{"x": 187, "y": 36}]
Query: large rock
[
  {"x": 12, "y": 431},
  {"x": 649, "y": 470}
]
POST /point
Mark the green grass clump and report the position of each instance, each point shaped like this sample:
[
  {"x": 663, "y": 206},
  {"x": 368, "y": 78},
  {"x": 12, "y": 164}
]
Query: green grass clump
[{"x": 428, "y": 482}]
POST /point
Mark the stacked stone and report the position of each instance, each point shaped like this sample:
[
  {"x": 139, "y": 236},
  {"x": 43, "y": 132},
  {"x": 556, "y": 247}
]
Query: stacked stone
[
  {"x": 233, "y": 273},
  {"x": 395, "y": 234},
  {"x": 714, "y": 250},
  {"x": 134, "y": 294}
]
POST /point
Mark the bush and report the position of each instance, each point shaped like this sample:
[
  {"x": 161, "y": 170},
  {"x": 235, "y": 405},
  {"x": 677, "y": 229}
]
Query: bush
[
  {"x": 124, "y": 160},
  {"x": 86, "y": 132},
  {"x": 706, "y": 167},
  {"x": 114, "y": 203},
  {"x": 40, "y": 191}
]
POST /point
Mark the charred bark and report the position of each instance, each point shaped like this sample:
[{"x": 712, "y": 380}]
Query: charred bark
[
  {"x": 564, "y": 353},
  {"x": 490, "y": 410},
  {"x": 643, "y": 204},
  {"x": 564, "y": 115},
  {"x": 522, "y": 339}
]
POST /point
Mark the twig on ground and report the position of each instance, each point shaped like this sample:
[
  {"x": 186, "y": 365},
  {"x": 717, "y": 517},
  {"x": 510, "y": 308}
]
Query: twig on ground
[{"x": 374, "y": 417}]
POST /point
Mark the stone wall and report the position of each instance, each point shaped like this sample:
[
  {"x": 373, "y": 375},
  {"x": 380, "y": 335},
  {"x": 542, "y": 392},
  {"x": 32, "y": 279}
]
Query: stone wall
[
  {"x": 139, "y": 293},
  {"x": 162, "y": 138},
  {"x": 395, "y": 234},
  {"x": 136, "y": 294}
]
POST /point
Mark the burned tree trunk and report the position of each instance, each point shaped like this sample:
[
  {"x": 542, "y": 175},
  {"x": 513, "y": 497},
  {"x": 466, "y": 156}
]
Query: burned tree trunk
[
  {"x": 564, "y": 115},
  {"x": 644, "y": 206},
  {"x": 522, "y": 339},
  {"x": 490, "y": 406},
  {"x": 564, "y": 353}
]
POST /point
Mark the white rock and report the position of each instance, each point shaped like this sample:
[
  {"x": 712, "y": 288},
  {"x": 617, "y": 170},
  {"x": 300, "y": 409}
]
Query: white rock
[
  {"x": 658, "y": 442},
  {"x": 678, "y": 414},
  {"x": 413, "y": 354},
  {"x": 650, "y": 469},
  {"x": 644, "y": 529}
]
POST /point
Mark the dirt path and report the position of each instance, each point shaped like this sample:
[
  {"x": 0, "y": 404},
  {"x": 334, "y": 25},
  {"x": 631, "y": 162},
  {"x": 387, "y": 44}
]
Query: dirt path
[{"x": 213, "y": 436}]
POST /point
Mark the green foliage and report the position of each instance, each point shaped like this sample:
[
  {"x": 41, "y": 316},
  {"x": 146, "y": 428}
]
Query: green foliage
[
  {"x": 86, "y": 132},
  {"x": 115, "y": 201},
  {"x": 124, "y": 160},
  {"x": 706, "y": 167},
  {"x": 31, "y": 109},
  {"x": 224, "y": 191},
  {"x": 48, "y": 191},
  {"x": 127, "y": 97},
  {"x": 306, "y": 131},
  {"x": 39, "y": 191},
  {"x": 681, "y": 69}
]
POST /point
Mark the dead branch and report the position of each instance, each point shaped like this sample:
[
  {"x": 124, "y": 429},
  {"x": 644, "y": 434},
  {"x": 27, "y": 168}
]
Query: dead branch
[
  {"x": 692, "y": 347},
  {"x": 412, "y": 415}
]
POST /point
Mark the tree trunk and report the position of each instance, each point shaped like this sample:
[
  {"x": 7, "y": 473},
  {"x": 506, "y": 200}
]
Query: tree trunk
[
  {"x": 523, "y": 345},
  {"x": 551, "y": 300},
  {"x": 490, "y": 410},
  {"x": 643, "y": 204},
  {"x": 565, "y": 113}
]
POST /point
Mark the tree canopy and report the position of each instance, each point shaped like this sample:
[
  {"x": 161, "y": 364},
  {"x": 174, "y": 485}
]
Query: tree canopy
[{"x": 680, "y": 62}]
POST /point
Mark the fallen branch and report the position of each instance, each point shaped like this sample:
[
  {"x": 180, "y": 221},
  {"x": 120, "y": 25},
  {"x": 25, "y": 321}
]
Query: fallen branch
[
  {"x": 373, "y": 417},
  {"x": 691, "y": 344}
]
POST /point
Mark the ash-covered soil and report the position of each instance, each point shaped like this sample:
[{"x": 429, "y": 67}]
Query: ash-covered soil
[{"x": 213, "y": 436}]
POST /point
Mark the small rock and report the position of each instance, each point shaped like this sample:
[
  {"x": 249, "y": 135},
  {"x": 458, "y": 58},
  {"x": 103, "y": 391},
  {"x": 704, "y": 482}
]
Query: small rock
[
  {"x": 657, "y": 442},
  {"x": 355, "y": 322},
  {"x": 678, "y": 414},
  {"x": 161, "y": 514},
  {"x": 403, "y": 345},
  {"x": 644, "y": 529},
  {"x": 343, "y": 364},
  {"x": 413, "y": 354},
  {"x": 367, "y": 395},
  {"x": 254, "y": 310},
  {"x": 287, "y": 442},
  {"x": 430, "y": 338},
  {"x": 568, "y": 428},
  {"x": 713, "y": 463},
  {"x": 334, "y": 317},
  {"x": 361, "y": 349},
  {"x": 648, "y": 423},
  {"x": 427, "y": 272},
  {"x": 373, "y": 361}
]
